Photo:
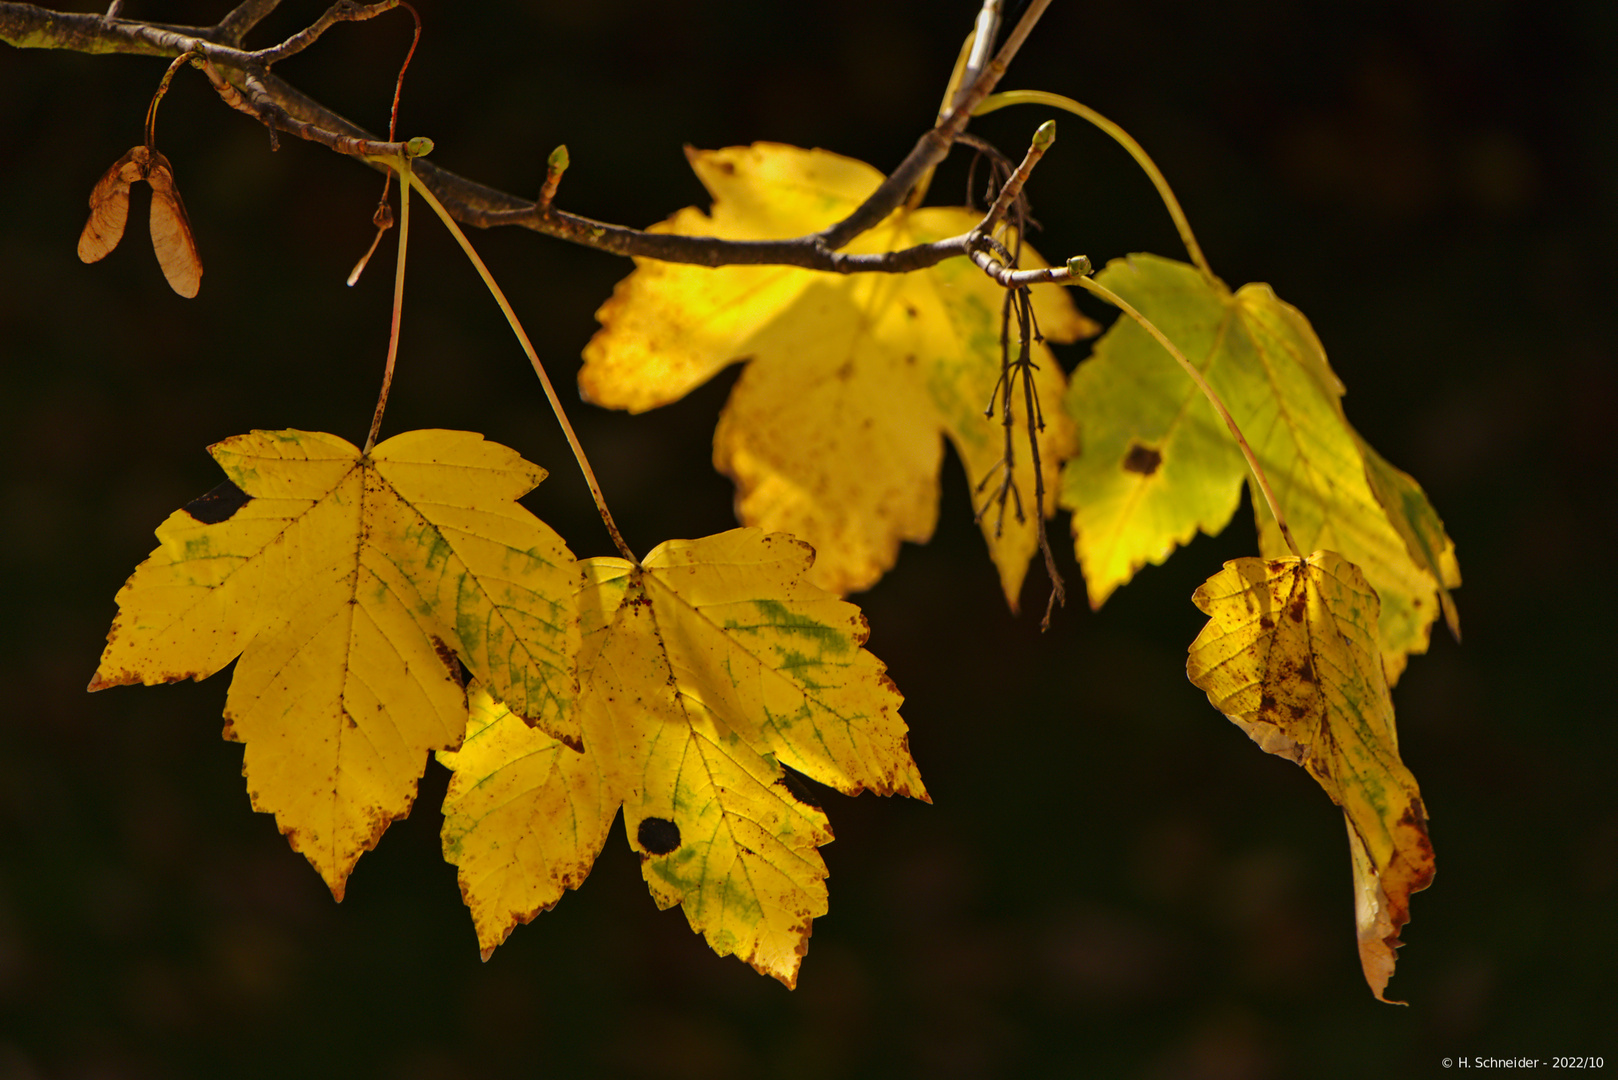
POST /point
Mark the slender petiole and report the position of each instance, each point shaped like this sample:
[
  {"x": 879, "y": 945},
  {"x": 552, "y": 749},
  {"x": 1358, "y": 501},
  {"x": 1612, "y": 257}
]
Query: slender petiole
[
  {"x": 402, "y": 166},
  {"x": 1208, "y": 392},
  {"x": 533, "y": 358}
]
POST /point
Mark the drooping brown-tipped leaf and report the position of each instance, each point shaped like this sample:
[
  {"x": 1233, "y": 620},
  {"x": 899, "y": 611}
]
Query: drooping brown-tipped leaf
[{"x": 1290, "y": 654}]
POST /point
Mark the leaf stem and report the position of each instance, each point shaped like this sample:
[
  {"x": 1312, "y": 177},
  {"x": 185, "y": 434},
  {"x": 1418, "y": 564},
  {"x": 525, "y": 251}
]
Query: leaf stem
[
  {"x": 162, "y": 89},
  {"x": 1123, "y": 139},
  {"x": 539, "y": 369},
  {"x": 402, "y": 165},
  {"x": 1208, "y": 392}
]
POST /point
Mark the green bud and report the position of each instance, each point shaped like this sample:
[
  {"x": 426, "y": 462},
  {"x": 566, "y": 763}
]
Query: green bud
[
  {"x": 420, "y": 146},
  {"x": 558, "y": 159},
  {"x": 1045, "y": 135},
  {"x": 1079, "y": 266}
]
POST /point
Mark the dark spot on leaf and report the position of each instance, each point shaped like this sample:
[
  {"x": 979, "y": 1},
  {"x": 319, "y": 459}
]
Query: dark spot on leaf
[
  {"x": 1306, "y": 671},
  {"x": 910, "y": 310},
  {"x": 218, "y": 505},
  {"x": 1142, "y": 459},
  {"x": 1266, "y": 623},
  {"x": 798, "y": 786},
  {"x": 1266, "y": 706},
  {"x": 658, "y": 835},
  {"x": 451, "y": 662},
  {"x": 1300, "y": 605},
  {"x": 1298, "y": 711},
  {"x": 727, "y": 167}
]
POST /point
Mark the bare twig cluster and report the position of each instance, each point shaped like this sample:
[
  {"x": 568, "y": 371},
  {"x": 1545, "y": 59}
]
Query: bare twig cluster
[
  {"x": 282, "y": 107},
  {"x": 244, "y": 80}
]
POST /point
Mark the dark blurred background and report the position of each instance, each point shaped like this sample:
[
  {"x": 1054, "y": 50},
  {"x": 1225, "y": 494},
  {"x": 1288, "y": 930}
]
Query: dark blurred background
[{"x": 1113, "y": 880}]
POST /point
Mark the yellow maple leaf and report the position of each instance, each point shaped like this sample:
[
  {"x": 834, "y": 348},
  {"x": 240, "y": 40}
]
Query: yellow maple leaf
[
  {"x": 1157, "y": 464},
  {"x": 702, "y": 674},
  {"x": 833, "y": 431},
  {"x": 349, "y": 583},
  {"x": 524, "y": 817},
  {"x": 1290, "y": 654}
]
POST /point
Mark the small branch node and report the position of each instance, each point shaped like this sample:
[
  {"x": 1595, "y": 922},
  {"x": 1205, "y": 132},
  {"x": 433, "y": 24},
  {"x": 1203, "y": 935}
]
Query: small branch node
[{"x": 555, "y": 166}]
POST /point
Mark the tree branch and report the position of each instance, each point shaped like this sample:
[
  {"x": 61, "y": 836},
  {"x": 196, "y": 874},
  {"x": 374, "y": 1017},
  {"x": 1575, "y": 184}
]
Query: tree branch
[
  {"x": 241, "y": 20},
  {"x": 934, "y": 146},
  {"x": 281, "y": 106}
]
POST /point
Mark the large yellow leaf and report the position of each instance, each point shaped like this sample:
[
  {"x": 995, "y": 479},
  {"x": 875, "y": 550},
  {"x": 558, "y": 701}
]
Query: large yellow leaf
[
  {"x": 702, "y": 674},
  {"x": 349, "y": 584},
  {"x": 1290, "y": 654},
  {"x": 1157, "y": 464},
  {"x": 833, "y": 431}
]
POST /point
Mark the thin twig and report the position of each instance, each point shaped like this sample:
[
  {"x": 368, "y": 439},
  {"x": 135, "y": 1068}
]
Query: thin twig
[
  {"x": 984, "y": 33},
  {"x": 539, "y": 369},
  {"x": 932, "y": 147},
  {"x": 1036, "y": 423},
  {"x": 1011, "y": 278},
  {"x": 342, "y": 11},
  {"x": 1208, "y": 392},
  {"x": 382, "y": 216},
  {"x": 282, "y": 106},
  {"x": 232, "y": 96},
  {"x": 1011, "y": 190},
  {"x": 242, "y": 18},
  {"x": 1122, "y": 138}
]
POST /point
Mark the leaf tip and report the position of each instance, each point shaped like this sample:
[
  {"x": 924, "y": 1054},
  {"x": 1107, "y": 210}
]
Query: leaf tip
[{"x": 98, "y": 682}]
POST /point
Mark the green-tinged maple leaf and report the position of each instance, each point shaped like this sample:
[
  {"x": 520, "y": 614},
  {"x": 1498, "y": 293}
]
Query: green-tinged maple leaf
[
  {"x": 833, "y": 432},
  {"x": 524, "y": 817},
  {"x": 349, "y": 584},
  {"x": 1290, "y": 654},
  {"x": 1157, "y": 464},
  {"x": 701, "y": 675}
]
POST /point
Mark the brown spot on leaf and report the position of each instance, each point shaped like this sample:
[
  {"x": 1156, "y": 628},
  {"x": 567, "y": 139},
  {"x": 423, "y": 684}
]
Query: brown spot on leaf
[
  {"x": 1266, "y": 623},
  {"x": 451, "y": 662},
  {"x": 1298, "y": 608},
  {"x": 658, "y": 835},
  {"x": 218, "y": 505},
  {"x": 1306, "y": 671},
  {"x": 797, "y": 786},
  {"x": 1142, "y": 459},
  {"x": 1267, "y": 707}
]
